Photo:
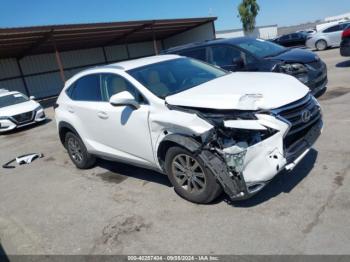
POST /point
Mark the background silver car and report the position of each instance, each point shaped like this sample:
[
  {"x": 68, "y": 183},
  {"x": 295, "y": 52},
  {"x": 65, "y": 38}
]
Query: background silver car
[{"x": 327, "y": 37}]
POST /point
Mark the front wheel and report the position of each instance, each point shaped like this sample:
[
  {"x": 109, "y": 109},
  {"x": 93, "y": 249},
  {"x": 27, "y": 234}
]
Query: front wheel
[
  {"x": 78, "y": 152},
  {"x": 321, "y": 45},
  {"x": 190, "y": 178}
]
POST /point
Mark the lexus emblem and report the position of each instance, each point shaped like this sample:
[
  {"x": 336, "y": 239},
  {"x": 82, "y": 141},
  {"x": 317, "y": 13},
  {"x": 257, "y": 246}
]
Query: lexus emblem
[{"x": 305, "y": 116}]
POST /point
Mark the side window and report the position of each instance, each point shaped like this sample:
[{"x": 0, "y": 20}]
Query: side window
[
  {"x": 344, "y": 26},
  {"x": 198, "y": 53},
  {"x": 295, "y": 36},
  {"x": 113, "y": 84},
  {"x": 86, "y": 88},
  {"x": 285, "y": 37},
  {"x": 224, "y": 55},
  {"x": 333, "y": 29}
]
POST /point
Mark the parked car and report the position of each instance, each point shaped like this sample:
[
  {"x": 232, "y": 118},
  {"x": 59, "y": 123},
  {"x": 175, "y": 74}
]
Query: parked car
[
  {"x": 308, "y": 31},
  {"x": 250, "y": 54},
  {"x": 327, "y": 37},
  {"x": 207, "y": 129},
  {"x": 17, "y": 110},
  {"x": 345, "y": 43},
  {"x": 292, "y": 40}
]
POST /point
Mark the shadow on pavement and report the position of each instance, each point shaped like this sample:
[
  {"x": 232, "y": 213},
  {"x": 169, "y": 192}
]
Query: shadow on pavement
[
  {"x": 126, "y": 170},
  {"x": 282, "y": 183},
  {"x": 343, "y": 64}
]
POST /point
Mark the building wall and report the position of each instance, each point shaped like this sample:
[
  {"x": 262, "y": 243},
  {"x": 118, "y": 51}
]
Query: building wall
[
  {"x": 42, "y": 75},
  {"x": 41, "y": 72},
  {"x": 266, "y": 32},
  {"x": 200, "y": 33},
  {"x": 337, "y": 17}
]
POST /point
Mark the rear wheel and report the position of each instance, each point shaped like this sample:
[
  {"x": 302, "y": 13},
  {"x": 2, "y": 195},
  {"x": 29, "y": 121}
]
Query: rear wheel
[
  {"x": 78, "y": 152},
  {"x": 321, "y": 45},
  {"x": 190, "y": 178}
]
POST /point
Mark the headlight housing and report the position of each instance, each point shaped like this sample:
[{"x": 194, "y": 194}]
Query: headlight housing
[
  {"x": 298, "y": 70},
  {"x": 38, "y": 108}
]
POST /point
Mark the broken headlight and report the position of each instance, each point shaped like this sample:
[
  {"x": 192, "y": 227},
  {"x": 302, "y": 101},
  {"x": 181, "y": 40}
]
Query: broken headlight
[{"x": 296, "y": 69}]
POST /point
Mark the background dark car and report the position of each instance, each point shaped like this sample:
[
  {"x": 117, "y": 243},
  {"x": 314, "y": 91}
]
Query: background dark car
[
  {"x": 250, "y": 54},
  {"x": 345, "y": 42},
  {"x": 292, "y": 40}
]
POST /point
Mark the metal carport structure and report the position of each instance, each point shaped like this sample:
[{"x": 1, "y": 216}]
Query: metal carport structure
[{"x": 37, "y": 60}]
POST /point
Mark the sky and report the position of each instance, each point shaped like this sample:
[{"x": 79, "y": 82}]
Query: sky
[{"x": 14, "y": 13}]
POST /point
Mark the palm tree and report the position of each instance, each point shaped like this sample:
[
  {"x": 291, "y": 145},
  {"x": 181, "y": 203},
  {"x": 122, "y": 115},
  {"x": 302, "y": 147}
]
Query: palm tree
[{"x": 248, "y": 10}]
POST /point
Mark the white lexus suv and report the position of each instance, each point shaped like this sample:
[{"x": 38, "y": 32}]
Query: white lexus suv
[
  {"x": 207, "y": 129},
  {"x": 17, "y": 110}
]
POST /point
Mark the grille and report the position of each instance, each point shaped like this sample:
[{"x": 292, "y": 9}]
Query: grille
[
  {"x": 24, "y": 117},
  {"x": 316, "y": 65},
  {"x": 302, "y": 115}
]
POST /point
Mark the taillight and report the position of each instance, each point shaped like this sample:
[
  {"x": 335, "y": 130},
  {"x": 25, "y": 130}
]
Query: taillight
[{"x": 346, "y": 33}]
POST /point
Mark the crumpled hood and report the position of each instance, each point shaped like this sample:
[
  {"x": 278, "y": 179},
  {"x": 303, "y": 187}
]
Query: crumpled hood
[
  {"x": 18, "y": 108},
  {"x": 242, "y": 91}
]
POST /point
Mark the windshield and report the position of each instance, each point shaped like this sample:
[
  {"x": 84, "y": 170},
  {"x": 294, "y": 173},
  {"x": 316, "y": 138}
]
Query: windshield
[
  {"x": 173, "y": 76},
  {"x": 12, "y": 99},
  {"x": 261, "y": 48}
]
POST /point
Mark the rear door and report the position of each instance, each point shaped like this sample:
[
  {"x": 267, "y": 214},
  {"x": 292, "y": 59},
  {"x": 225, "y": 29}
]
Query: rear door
[{"x": 86, "y": 96}]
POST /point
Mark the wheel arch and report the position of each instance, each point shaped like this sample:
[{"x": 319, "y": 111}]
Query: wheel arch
[
  {"x": 322, "y": 39},
  {"x": 172, "y": 140},
  {"x": 63, "y": 129}
]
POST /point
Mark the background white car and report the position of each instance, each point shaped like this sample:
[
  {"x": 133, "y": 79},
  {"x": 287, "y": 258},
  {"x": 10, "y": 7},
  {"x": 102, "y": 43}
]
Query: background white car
[
  {"x": 327, "y": 37},
  {"x": 17, "y": 110}
]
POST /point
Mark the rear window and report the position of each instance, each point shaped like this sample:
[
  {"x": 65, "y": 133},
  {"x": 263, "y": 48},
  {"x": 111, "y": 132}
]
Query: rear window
[
  {"x": 333, "y": 29},
  {"x": 12, "y": 99},
  {"x": 86, "y": 88}
]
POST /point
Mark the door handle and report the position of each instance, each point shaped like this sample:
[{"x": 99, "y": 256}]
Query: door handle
[{"x": 102, "y": 115}]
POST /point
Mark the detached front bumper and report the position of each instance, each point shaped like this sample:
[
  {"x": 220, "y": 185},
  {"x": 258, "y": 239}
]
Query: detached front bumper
[
  {"x": 11, "y": 123},
  {"x": 281, "y": 151}
]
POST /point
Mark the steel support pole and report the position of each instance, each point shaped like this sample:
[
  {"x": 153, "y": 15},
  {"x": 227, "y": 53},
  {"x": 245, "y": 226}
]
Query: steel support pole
[
  {"x": 59, "y": 62},
  {"x": 22, "y": 77}
]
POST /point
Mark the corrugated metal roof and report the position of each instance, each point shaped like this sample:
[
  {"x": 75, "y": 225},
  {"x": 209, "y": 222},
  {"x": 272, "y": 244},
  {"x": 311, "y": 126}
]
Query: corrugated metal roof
[{"x": 22, "y": 41}]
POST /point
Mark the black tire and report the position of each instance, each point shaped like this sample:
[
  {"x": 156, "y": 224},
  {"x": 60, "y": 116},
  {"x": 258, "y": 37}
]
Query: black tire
[
  {"x": 209, "y": 189},
  {"x": 321, "y": 45},
  {"x": 78, "y": 152}
]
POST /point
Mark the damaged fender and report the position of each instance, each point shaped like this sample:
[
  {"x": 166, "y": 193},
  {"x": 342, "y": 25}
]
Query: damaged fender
[{"x": 182, "y": 128}]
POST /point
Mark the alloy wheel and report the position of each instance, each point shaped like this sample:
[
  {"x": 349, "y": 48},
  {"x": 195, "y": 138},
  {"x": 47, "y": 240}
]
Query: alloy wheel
[
  {"x": 188, "y": 173},
  {"x": 75, "y": 149}
]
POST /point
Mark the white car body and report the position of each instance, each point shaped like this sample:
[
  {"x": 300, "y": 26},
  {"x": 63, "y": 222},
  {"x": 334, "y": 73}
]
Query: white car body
[
  {"x": 332, "y": 38},
  {"x": 20, "y": 114},
  {"x": 135, "y": 136}
]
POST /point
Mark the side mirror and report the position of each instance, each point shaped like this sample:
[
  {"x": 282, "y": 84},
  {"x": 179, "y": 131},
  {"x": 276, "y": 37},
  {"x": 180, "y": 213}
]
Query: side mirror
[
  {"x": 124, "y": 98},
  {"x": 32, "y": 97}
]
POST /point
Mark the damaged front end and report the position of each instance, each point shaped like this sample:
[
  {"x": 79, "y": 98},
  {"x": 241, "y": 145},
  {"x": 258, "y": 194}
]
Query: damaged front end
[{"x": 243, "y": 149}]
